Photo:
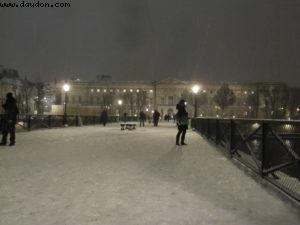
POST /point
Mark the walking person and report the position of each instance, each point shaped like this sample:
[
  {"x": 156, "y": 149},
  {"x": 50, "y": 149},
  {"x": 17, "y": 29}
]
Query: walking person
[
  {"x": 142, "y": 118},
  {"x": 182, "y": 122},
  {"x": 156, "y": 116},
  {"x": 104, "y": 117},
  {"x": 125, "y": 117},
  {"x": 9, "y": 120}
]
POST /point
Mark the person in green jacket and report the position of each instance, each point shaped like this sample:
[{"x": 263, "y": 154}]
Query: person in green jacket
[{"x": 182, "y": 122}]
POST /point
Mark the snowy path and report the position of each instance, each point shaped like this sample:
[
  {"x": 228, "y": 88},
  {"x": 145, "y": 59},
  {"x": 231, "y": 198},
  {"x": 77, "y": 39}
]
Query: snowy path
[{"x": 95, "y": 175}]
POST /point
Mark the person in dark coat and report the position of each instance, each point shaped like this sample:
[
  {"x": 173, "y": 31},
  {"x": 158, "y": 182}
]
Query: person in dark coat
[
  {"x": 142, "y": 118},
  {"x": 156, "y": 116},
  {"x": 125, "y": 117},
  {"x": 104, "y": 117},
  {"x": 9, "y": 120},
  {"x": 182, "y": 122}
]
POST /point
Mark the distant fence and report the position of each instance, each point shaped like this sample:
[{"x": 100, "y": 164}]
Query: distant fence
[
  {"x": 270, "y": 148},
  {"x": 33, "y": 122}
]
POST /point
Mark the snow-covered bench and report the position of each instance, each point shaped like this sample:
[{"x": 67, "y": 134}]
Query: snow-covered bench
[{"x": 128, "y": 126}]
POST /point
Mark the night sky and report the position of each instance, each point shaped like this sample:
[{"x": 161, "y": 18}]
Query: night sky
[{"x": 208, "y": 40}]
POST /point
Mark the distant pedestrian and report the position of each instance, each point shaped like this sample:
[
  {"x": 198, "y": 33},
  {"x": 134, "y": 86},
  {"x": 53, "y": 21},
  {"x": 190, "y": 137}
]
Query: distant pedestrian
[
  {"x": 125, "y": 117},
  {"x": 156, "y": 116},
  {"x": 104, "y": 117},
  {"x": 182, "y": 122},
  {"x": 9, "y": 120},
  {"x": 142, "y": 118}
]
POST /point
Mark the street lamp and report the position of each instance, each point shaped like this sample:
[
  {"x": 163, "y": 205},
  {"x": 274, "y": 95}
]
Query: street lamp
[
  {"x": 195, "y": 90},
  {"x": 66, "y": 88},
  {"x": 120, "y": 103}
]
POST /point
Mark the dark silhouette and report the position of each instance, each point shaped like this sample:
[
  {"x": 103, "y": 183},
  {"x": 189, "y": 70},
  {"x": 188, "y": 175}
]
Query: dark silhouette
[
  {"x": 174, "y": 117},
  {"x": 9, "y": 120},
  {"x": 125, "y": 117},
  {"x": 182, "y": 122},
  {"x": 167, "y": 117},
  {"x": 142, "y": 118},
  {"x": 156, "y": 116},
  {"x": 104, "y": 117}
]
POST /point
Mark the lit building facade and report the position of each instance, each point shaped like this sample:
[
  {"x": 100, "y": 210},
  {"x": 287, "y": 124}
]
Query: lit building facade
[{"x": 90, "y": 98}]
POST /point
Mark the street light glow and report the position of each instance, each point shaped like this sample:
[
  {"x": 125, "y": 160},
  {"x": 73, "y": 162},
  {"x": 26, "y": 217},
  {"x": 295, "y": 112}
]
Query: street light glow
[
  {"x": 196, "y": 89},
  {"x": 66, "y": 87},
  {"x": 120, "y": 102}
]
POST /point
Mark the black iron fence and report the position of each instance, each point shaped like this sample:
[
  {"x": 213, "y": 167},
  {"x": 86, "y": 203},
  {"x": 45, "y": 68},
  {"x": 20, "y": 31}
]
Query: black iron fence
[
  {"x": 271, "y": 148},
  {"x": 33, "y": 122}
]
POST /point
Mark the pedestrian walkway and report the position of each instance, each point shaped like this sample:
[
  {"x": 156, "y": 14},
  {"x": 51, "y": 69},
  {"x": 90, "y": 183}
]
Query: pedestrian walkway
[{"x": 102, "y": 175}]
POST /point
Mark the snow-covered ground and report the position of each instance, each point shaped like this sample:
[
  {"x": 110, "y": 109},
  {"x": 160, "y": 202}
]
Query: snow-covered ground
[{"x": 103, "y": 176}]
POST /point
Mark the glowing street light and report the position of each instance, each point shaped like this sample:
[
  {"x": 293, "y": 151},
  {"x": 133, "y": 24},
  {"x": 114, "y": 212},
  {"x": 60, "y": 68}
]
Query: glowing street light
[
  {"x": 66, "y": 88},
  {"x": 120, "y": 103},
  {"x": 196, "y": 89}
]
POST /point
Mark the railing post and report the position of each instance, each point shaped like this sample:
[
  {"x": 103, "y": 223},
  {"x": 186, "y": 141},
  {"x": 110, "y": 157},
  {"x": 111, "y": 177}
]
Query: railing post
[
  {"x": 76, "y": 121},
  {"x": 208, "y": 129},
  {"x": 217, "y": 131},
  {"x": 49, "y": 121},
  {"x": 264, "y": 160},
  {"x": 232, "y": 134},
  {"x": 28, "y": 122},
  {"x": 65, "y": 119}
]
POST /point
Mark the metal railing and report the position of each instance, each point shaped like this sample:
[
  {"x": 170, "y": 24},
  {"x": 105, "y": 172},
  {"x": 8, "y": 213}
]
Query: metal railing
[
  {"x": 270, "y": 148},
  {"x": 33, "y": 122}
]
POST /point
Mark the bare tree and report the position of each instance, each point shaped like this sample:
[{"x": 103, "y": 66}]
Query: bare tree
[
  {"x": 275, "y": 101},
  {"x": 253, "y": 104},
  {"x": 141, "y": 100},
  {"x": 224, "y": 97}
]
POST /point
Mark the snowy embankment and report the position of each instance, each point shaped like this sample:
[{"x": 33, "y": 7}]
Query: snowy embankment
[{"x": 101, "y": 175}]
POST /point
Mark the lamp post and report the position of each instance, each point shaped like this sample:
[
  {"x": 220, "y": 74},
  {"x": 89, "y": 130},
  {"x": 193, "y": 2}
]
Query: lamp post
[
  {"x": 66, "y": 88},
  {"x": 195, "y": 90},
  {"x": 120, "y": 103}
]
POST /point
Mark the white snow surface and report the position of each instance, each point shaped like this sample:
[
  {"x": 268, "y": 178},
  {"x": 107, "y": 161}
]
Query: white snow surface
[{"x": 104, "y": 176}]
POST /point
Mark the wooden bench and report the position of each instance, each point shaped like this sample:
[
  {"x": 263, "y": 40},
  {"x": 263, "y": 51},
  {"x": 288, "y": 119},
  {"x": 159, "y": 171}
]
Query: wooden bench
[{"x": 128, "y": 126}]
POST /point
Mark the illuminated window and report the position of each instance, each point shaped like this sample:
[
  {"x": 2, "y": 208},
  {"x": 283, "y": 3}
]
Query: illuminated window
[
  {"x": 98, "y": 90},
  {"x": 92, "y": 90}
]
